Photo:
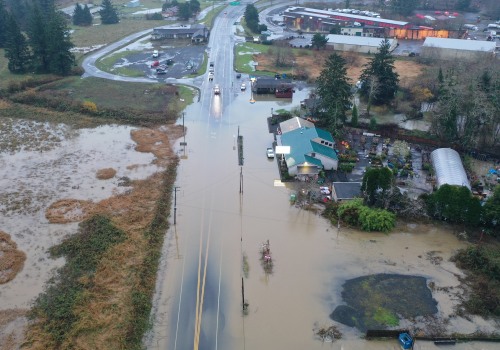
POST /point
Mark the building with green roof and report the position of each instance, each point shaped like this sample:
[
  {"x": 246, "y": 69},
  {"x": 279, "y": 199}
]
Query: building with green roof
[{"x": 311, "y": 149}]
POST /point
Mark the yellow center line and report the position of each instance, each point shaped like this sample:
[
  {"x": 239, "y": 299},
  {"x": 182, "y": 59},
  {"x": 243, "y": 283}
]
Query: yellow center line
[{"x": 198, "y": 284}]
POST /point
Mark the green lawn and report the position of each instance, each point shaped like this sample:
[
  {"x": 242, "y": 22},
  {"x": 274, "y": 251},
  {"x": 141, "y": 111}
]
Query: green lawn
[
  {"x": 112, "y": 94},
  {"x": 244, "y": 55}
]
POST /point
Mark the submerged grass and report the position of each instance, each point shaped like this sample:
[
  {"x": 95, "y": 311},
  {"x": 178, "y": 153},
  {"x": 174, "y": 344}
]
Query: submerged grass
[{"x": 83, "y": 253}]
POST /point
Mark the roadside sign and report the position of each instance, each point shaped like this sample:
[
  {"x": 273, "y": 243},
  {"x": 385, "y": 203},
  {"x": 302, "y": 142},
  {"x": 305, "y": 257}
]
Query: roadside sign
[
  {"x": 234, "y": 3},
  {"x": 183, "y": 143}
]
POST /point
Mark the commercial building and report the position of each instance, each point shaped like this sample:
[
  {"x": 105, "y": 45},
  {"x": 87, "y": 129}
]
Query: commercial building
[
  {"x": 357, "y": 43},
  {"x": 451, "y": 49}
]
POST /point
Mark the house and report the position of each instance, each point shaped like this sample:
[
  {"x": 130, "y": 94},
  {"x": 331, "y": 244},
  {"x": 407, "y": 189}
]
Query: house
[
  {"x": 342, "y": 191},
  {"x": 311, "y": 148},
  {"x": 196, "y": 32},
  {"x": 133, "y": 3},
  {"x": 278, "y": 87}
]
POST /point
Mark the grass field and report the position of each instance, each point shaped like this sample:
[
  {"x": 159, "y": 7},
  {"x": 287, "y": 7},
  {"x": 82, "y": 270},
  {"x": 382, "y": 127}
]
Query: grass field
[{"x": 112, "y": 94}]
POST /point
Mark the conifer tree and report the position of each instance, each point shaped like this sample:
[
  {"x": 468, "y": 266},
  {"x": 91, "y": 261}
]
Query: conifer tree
[
  {"x": 61, "y": 60},
  {"x": 16, "y": 47},
  {"x": 334, "y": 91},
  {"x": 108, "y": 13},
  {"x": 87, "y": 16},
  {"x": 38, "y": 40},
  {"x": 78, "y": 15},
  {"x": 3, "y": 23},
  {"x": 380, "y": 71}
]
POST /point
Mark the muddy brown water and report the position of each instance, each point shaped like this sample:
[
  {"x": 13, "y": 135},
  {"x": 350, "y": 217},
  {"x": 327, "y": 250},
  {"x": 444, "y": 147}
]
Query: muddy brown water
[
  {"x": 41, "y": 163},
  {"x": 45, "y": 162},
  {"x": 216, "y": 225}
]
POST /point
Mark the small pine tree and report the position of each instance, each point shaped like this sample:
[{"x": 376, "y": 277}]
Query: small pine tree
[
  {"x": 77, "y": 15},
  {"x": 354, "y": 116},
  {"x": 86, "y": 16},
  {"x": 16, "y": 48},
  {"x": 108, "y": 13},
  {"x": 373, "y": 123}
]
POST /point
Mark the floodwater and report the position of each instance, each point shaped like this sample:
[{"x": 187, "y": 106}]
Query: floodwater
[
  {"x": 224, "y": 212},
  {"x": 41, "y": 163}
]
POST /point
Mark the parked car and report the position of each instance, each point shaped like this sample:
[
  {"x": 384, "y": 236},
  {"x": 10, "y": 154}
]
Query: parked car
[
  {"x": 155, "y": 64},
  {"x": 169, "y": 61},
  {"x": 243, "y": 87},
  {"x": 216, "y": 90},
  {"x": 270, "y": 153},
  {"x": 156, "y": 54},
  {"x": 161, "y": 69},
  {"x": 238, "y": 75}
]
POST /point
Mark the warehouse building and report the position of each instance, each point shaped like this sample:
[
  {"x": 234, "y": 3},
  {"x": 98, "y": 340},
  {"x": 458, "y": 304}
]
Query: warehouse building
[
  {"x": 357, "y": 43},
  {"x": 452, "y": 49}
]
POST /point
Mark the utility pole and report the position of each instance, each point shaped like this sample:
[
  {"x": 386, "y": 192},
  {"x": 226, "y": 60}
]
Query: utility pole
[{"x": 175, "y": 204}]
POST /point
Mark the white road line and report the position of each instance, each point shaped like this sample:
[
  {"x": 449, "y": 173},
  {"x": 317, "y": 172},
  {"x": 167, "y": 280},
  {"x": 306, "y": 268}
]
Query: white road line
[
  {"x": 218, "y": 297},
  {"x": 180, "y": 301}
]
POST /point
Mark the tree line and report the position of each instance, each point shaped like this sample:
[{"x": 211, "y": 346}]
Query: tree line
[
  {"x": 36, "y": 36},
  {"x": 186, "y": 10}
]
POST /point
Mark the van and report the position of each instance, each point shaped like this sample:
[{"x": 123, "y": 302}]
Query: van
[
  {"x": 156, "y": 54},
  {"x": 470, "y": 26},
  {"x": 493, "y": 25}
]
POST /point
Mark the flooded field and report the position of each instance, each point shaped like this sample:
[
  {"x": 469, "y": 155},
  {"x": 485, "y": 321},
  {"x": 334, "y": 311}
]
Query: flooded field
[{"x": 41, "y": 164}]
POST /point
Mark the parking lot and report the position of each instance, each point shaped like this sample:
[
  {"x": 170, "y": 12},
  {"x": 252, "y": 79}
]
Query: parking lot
[{"x": 184, "y": 58}]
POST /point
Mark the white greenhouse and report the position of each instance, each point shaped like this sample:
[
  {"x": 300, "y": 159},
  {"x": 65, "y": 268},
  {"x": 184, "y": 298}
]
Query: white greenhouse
[{"x": 449, "y": 168}]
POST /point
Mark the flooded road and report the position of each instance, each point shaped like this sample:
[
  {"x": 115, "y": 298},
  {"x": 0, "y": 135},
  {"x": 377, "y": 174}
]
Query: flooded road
[{"x": 199, "y": 304}]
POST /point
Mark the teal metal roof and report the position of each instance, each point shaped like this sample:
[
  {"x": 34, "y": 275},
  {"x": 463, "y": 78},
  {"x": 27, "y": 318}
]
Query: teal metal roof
[
  {"x": 326, "y": 151},
  {"x": 301, "y": 146},
  {"x": 325, "y": 135},
  {"x": 313, "y": 160}
]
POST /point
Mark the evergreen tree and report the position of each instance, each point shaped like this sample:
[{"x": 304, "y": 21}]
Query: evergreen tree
[
  {"x": 38, "y": 40},
  {"x": 78, "y": 15},
  {"x": 108, "y": 13},
  {"x": 184, "y": 11},
  {"x": 194, "y": 6},
  {"x": 3, "y": 23},
  {"x": 252, "y": 18},
  {"x": 47, "y": 7},
  {"x": 16, "y": 48},
  {"x": 61, "y": 59},
  {"x": 86, "y": 16},
  {"x": 319, "y": 41},
  {"x": 380, "y": 71},
  {"x": 354, "y": 117},
  {"x": 334, "y": 91},
  {"x": 19, "y": 9}
]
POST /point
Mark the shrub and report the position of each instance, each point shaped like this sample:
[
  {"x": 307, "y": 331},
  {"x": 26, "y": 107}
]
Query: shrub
[{"x": 89, "y": 106}]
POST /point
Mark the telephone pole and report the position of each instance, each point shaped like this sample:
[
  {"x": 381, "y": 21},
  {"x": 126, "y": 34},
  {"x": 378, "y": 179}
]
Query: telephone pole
[{"x": 175, "y": 204}]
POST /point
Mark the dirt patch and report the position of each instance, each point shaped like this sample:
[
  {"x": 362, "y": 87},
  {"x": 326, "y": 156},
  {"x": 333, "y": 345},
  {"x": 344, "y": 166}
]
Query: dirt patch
[
  {"x": 11, "y": 259},
  {"x": 12, "y": 326},
  {"x": 157, "y": 141},
  {"x": 68, "y": 210},
  {"x": 105, "y": 174},
  {"x": 312, "y": 65}
]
